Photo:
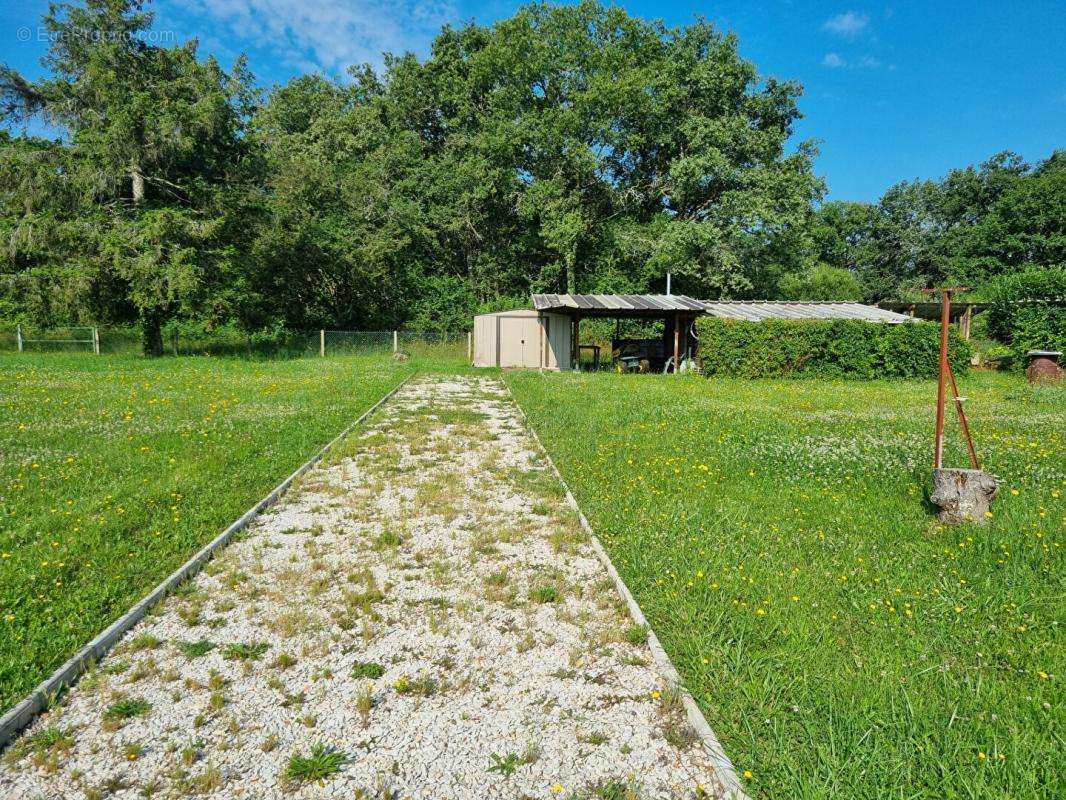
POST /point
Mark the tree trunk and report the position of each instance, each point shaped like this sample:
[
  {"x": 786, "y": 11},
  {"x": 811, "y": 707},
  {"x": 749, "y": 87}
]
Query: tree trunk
[
  {"x": 137, "y": 179},
  {"x": 963, "y": 495},
  {"x": 152, "y": 332}
]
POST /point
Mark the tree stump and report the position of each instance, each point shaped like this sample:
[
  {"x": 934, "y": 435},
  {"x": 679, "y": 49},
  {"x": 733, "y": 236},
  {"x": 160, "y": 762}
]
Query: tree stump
[{"x": 963, "y": 495}]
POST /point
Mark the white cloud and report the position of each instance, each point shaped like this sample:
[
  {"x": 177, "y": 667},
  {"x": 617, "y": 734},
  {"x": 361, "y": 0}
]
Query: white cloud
[
  {"x": 869, "y": 62},
  {"x": 849, "y": 24},
  {"x": 326, "y": 36},
  {"x": 833, "y": 61}
]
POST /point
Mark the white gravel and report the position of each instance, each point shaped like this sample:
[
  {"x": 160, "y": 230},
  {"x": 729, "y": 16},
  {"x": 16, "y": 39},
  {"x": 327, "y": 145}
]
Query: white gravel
[{"x": 436, "y": 545}]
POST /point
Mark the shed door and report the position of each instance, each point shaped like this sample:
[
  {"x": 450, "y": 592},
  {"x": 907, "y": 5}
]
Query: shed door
[{"x": 519, "y": 342}]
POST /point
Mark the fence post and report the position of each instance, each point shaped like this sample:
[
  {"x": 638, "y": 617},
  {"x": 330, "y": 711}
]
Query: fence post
[
  {"x": 96, "y": 341},
  {"x": 395, "y": 341},
  {"x": 18, "y": 335},
  {"x": 322, "y": 343},
  {"x": 469, "y": 345}
]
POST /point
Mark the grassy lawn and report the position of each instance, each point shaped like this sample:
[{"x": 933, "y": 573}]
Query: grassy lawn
[
  {"x": 839, "y": 640},
  {"x": 113, "y": 470}
]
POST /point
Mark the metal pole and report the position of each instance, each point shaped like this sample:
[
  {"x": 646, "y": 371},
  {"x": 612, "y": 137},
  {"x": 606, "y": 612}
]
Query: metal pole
[
  {"x": 18, "y": 336},
  {"x": 395, "y": 341},
  {"x": 322, "y": 343},
  {"x": 677, "y": 344},
  {"x": 945, "y": 320},
  {"x": 962, "y": 418},
  {"x": 469, "y": 346},
  {"x": 668, "y": 283}
]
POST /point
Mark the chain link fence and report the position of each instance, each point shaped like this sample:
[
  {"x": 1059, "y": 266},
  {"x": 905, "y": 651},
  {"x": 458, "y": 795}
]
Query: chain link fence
[{"x": 186, "y": 341}]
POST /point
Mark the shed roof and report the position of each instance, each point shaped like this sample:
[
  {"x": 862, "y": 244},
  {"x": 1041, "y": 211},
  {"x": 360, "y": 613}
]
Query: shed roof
[
  {"x": 659, "y": 305},
  {"x": 756, "y": 311},
  {"x": 616, "y": 305}
]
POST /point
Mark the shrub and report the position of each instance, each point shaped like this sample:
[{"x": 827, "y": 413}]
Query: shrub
[
  {"x": 830, "y": 348},
  {"x": 1028, "y": 310}
]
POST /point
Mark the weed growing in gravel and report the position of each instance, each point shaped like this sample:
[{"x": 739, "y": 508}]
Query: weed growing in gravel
[
  {"x": 250, "y": 651},
  {"x": 131, "y": 751},
  {"x": 608, "y": 790},
  {"x": 367, "y": 669},
  {"x": 545, "y": 593},
  {"x": 423, "y": 686},
  {"x": 198, "y": 649},
  {"x": 504, "y": 765},
  {"x": 294, "y": 699},
  {"x": 320, "y": 764},
  {"x": 283, "y": 661},
  {"x": 387, "y": 539},
  {"x": 594, "y": 738},
  {"x": 269, "y": 744},
  {"x": 45, "y": 747},
  {"x": 122, "y": 710},
  {"x": 364, "y": 703},
  {"x": 144, "y": 641},
  {"x": 202, "y": 783}
]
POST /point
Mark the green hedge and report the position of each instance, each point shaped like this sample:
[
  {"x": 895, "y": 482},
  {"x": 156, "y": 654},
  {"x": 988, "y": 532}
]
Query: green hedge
[
  {"x": 831, "y": 348},
  {"x": 1028, "y": 311}
]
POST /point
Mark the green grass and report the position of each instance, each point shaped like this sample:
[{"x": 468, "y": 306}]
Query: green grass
[
  {"x": 778, "y": 537},
  {"x": 319, "y": 765},
  {"x": 115, "y": 469}
]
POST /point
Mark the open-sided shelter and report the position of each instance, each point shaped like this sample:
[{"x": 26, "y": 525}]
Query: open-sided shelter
[{"x": 548, "y": 336}]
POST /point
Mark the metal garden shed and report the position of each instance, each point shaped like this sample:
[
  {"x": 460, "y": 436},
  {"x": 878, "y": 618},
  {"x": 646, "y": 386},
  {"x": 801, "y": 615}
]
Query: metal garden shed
[{"x": 522, "y": 338}]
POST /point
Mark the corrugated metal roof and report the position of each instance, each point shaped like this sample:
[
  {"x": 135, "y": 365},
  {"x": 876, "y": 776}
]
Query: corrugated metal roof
[
  {"x": 753, "y": 310},
  {"x": 605, "y": 303},
  {"x": 756, "y": 311}
]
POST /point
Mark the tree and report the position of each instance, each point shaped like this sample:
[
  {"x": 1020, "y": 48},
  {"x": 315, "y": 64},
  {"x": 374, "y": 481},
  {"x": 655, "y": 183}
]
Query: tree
[
  {"x": 153, "y": 143},
  {"x": 823, "y": 282}
]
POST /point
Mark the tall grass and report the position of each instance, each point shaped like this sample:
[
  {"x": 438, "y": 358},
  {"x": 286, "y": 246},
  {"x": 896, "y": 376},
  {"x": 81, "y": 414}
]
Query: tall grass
[
  {"x": 777, "y": 534},
  {"x": 114, "y": 469}
]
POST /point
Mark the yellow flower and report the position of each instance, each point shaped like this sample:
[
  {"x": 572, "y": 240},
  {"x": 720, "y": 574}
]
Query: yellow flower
[
  {"x": 556, "y": 788},
  {"x": 982, "y": 756},
  {"x": 747, "y": 773}
]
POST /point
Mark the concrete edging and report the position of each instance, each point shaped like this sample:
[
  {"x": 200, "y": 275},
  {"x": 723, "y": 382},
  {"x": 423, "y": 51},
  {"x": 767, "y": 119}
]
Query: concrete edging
[
  {"x": 727, "y": 773},
  {"x": 42, "y": 697}
]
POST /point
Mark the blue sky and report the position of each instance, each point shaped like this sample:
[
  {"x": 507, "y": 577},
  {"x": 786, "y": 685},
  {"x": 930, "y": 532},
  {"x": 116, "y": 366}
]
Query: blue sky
[{"x": 893, "y": 91}]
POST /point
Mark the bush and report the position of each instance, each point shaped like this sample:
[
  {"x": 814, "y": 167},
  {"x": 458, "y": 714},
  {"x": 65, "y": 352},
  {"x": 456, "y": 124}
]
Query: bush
[
  {"x": 1028, "y": 310},
  {"x": 830, "y": 348}
]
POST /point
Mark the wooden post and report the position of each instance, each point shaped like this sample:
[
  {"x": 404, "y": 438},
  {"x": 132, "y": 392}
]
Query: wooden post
[
  {"x": 322, "y": 343},
  {"x": 469, "y": 346},
  {"x": 677, "y": 343},
  {"x": 964, "y": 327},
  {"x": 96, "y": 341},
  {"x": 18, "y": 336},
  {"x": 575, "y": 345},
  {"x": 395, "y": 341}
]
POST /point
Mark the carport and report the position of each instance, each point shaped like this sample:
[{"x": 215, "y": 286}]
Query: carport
[{"x": 677, "y": 311}]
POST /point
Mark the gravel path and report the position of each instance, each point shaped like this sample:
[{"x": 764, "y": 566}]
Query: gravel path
[{"x": 422, "y": 617}]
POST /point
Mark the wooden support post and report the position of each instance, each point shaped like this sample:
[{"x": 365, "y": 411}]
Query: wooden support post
[
  {"x": 322, "y": 343},
  {"x": 677, "y": 343},
  {"x": 96, "y": 341},
  {"x": 469, "y": 346},
  {"x": 964, "y": 323},
  {"x": 395, "y": 341},
  {"x": 575, "y": 344},
  {"x": 18, "y": 336}
]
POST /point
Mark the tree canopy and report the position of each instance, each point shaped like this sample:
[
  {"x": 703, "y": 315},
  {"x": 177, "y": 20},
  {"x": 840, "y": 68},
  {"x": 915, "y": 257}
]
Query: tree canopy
[{"x": 565, "y": 149}]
